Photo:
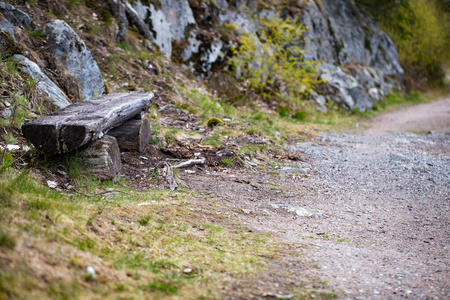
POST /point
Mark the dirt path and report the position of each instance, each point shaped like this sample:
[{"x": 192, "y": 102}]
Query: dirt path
[
  {"x": 380, "y": 204},
  {"x": 434, "y": 117}
]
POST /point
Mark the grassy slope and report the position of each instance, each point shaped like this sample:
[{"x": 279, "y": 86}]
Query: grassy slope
[{"x": 162, "y": 248}]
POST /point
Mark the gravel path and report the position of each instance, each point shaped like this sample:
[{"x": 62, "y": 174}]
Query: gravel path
[
  {"x": 382, "y": 214},
  {"x": 387, "y": 202},
  {"x": 387, "y": 198},
  {"x": 381, "y": 205},
  {"x": 433, "y": 116}
]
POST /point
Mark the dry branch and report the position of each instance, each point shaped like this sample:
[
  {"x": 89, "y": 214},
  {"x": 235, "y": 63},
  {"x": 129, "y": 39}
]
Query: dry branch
[
  {"x": 190, "y": 162},
  {"x": 165, "y": 174}
]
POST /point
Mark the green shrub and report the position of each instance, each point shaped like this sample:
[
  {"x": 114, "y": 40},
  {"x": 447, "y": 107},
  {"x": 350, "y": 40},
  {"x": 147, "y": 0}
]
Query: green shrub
[
  {"x": 300, "y": 115},
  {"x": 419, "y": 29},
  {"x": 284, "y": 111},
  {"x": 274, "y": 62}
]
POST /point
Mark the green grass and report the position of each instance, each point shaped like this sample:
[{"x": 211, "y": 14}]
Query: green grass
[
  {"x": 212, "y": 140},
  {"x": 143, "y": 220},
  {"x": 167, "y": 288},
  {"x": 153, "y": 244},
  {"x": 72, "y": 3},
  {"x": 164, "y": 136},
  {"x": 227, "y": 161},
  {"x": 36, "y": 33},
  {"x": 253, "y": 131}
]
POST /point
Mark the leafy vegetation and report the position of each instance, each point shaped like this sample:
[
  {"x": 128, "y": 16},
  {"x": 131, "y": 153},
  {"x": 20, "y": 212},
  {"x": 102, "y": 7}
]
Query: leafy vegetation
[
  {"x": 419, "y": 29},
  {"x": 19, "y": 95},
  {"x": 274, "y": 61}
]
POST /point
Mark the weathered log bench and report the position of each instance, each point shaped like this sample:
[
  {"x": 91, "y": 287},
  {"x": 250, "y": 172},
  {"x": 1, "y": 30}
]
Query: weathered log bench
[
  {"x": 75, "y": 125},
  {"x": 83, "y": 125},
  {"x": 101, "y": 158},
  {"x": 134, "y": 134}
]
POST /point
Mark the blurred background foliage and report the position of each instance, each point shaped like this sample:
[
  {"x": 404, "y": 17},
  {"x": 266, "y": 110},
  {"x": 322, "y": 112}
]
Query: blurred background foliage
[
  {"x": 272, "y": 59},
  {"x": 421, "y": 31}
]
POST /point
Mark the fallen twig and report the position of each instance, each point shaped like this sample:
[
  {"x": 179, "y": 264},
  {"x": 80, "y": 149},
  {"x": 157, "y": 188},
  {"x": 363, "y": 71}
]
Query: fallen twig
[
  {"x": 199, "y": 161},
  {"x": 226, "y": 251},
  {"x": 99, "y": 194}
]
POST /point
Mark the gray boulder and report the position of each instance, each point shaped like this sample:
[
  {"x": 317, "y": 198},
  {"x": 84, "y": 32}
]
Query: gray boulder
[
  {"x": 16, "y": 16},
  {"x": 174, "y": 21},
  {"x": 158, "y": 25},
  {"x": 203, "y": 52},
  {"x": 343, "y": 89},
  {"x": 8, "y": 45},
  {"x": 337, "y": 85},
  {"x": 7, "y": 42},
  {"x": 73, "y": 55},
  {"x": 368, "y": 77},
  {"x": 375, "y": 94},
  {"x": 319, "y": 41},
  {"x": 319, "y": 101},
  {"x": 54, "y": 94},
  {"x": 242, "y": 21},
  {"x": 246, "y": 4},
  {"x": 223, "y": 5},
  {"x": 180, "y": 16},
  {"x": 340, "y": 34},
  {"x": 361, "y": 62}
]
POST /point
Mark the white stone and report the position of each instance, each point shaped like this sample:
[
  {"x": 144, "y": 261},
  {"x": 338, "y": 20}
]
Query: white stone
[
  {"x": 91, "y": 271},
  {"x": 52, "y": 184}
]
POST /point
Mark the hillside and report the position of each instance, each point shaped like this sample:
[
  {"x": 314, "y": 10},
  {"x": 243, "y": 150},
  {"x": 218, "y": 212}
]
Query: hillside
[{"x": 242, "y": 191}]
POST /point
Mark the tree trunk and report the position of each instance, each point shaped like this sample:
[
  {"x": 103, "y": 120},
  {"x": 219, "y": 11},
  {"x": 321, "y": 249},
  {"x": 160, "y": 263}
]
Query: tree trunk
[
  {"x": 77, "y": 124},
  {"x": 132, "y": 135}
]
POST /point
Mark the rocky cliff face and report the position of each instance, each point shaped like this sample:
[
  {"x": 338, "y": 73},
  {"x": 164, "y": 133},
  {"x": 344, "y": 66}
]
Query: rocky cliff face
[
  {"x": 342, "y": 35},
  {"x": 359, "y": 62}
]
